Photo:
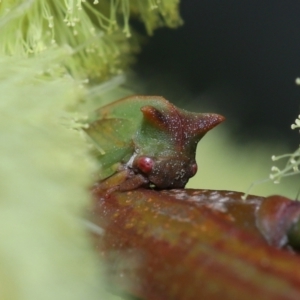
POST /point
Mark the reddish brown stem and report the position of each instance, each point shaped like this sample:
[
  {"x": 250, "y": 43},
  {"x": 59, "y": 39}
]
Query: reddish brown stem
[{"x": 196, "y": 244}]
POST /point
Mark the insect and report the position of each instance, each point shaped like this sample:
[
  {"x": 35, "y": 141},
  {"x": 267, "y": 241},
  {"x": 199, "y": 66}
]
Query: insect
[{"x": 147, "y": 141}]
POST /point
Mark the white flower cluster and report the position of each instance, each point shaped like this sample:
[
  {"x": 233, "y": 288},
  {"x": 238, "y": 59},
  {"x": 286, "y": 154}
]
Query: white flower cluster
[
  {"x": 297, "y": 123},
  {"x": 293, "y": 161}
]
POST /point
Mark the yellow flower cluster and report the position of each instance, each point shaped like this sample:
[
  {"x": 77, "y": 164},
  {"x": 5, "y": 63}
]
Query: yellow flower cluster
[
  {"x": 45, "y": 172},
  {"x": 97, "y": 32}
]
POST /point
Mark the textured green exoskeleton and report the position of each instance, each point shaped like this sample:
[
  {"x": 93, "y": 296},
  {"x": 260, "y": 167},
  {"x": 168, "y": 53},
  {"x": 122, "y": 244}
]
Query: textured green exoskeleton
[{"x": 147, "y": 141}]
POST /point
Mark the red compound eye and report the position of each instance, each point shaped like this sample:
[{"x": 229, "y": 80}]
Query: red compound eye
[
  {"x": 194, "y": 169},
  {"x": 145, "y": 164}
]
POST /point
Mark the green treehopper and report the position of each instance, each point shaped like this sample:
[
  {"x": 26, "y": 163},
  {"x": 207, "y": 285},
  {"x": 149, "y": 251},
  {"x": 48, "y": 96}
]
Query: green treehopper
[{"x": 147, "y": 141}]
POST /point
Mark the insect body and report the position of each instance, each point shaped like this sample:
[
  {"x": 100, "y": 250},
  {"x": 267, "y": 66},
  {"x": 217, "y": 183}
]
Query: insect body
[{"x": 147, "y": 141}]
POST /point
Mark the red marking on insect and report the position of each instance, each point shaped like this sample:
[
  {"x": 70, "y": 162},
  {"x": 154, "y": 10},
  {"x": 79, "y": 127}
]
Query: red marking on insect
[
  {"x": 145, "y": 164},
  {"x": 194, "y": 169}
]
